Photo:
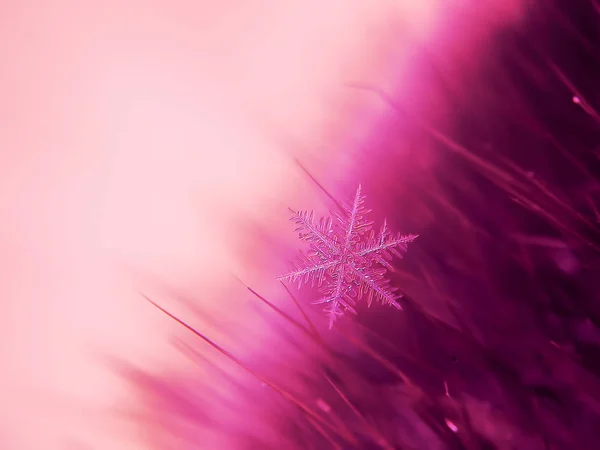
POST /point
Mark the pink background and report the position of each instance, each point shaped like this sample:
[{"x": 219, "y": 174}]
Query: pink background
[{"x": 155, "y": 135}]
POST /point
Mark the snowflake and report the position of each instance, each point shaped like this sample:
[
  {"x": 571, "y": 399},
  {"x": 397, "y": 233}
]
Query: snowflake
[{"x": 346, "y": 258}]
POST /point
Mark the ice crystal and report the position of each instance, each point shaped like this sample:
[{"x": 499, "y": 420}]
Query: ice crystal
[{"x": 346, "y": 258}]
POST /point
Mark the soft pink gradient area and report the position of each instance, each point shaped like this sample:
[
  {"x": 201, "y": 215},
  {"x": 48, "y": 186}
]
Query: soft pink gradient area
[{"x": 140, "y": 134}]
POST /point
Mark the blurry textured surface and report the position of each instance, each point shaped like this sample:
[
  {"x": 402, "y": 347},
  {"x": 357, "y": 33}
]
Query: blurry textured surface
[
  {"x": 157, "y": 136},
  {"x": 163, "y": 138},
  {"x": 495, "y": 164}
]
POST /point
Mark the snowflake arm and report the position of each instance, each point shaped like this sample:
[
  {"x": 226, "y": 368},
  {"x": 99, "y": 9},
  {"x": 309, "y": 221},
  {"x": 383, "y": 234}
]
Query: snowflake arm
[
  {"x": 318, "y": 234},
  {"x": 354, "y": 223},
  {"x": 375, "y": 286},
  {"x": 337, "y": 299},
  {"x": 303, "y": 274},
  {"x": 354, "y": 216},
  {"x": 389, "y": 245}
]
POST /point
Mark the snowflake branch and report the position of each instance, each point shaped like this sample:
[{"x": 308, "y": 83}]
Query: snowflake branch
[
  {"x": 306, "y": 222},
  {"x": 305, "y": 273},
  {"x": 401, "y": 240},
  {"x": 387, "y": 296}
]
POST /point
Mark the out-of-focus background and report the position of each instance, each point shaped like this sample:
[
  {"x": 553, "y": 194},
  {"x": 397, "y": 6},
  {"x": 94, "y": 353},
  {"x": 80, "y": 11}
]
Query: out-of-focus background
[{"x": 160, "y": 138}]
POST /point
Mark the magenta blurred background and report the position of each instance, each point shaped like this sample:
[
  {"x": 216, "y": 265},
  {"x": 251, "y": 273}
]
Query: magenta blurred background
[{"x": 160, "y": 137}]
